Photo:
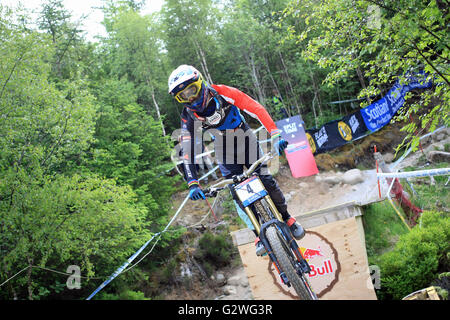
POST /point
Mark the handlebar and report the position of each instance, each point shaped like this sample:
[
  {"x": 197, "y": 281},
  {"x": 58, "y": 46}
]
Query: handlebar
[{"x": 213, "y": 190}]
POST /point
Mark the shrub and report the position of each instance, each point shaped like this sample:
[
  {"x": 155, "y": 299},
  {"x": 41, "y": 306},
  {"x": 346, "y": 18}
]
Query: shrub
[
  {"x": 417, "y": 257},
  {"x": 382, "y": 228},
  {"x": 124, "y": 295},
  {"x": 215, "y": 250}
]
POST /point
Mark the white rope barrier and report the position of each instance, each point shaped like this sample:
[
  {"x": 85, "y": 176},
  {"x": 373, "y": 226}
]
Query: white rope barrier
[{"x": 418, "y": 173}]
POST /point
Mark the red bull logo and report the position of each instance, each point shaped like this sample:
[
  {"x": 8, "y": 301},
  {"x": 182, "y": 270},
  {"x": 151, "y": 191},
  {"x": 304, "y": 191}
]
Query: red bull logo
[
  {"x": 311, "y": 253},
  {"x": 323, "y": 260},
  {"x": 323, "y": 269}
]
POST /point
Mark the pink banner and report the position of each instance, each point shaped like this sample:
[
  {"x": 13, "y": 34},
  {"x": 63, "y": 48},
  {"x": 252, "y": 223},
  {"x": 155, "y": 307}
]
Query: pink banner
[{"x": 298, "y": 153}]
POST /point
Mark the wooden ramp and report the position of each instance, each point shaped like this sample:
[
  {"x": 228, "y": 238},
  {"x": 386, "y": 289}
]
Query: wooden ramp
[{"x": 335, "y": 248}]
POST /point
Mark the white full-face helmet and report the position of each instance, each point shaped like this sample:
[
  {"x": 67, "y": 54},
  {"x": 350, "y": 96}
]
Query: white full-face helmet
[{"x": 186, "y": 85}]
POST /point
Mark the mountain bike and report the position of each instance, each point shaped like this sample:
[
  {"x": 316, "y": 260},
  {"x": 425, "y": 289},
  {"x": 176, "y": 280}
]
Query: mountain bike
[{"x": 274, "y": 234}]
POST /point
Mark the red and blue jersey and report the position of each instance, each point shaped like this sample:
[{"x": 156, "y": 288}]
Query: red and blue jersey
[{"x": 228, "y": 117}]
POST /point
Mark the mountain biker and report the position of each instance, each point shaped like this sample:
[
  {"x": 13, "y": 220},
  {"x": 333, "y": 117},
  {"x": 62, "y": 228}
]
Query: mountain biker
[{"x": 218, "y": 107}]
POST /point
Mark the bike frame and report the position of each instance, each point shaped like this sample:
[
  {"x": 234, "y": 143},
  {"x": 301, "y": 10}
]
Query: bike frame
[{"x": 260, "y": 229}]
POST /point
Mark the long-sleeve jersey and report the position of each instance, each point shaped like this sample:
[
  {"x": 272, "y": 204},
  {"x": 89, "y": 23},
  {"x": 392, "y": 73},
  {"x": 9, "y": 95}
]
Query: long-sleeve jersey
[{"x": 234, "y": 100}]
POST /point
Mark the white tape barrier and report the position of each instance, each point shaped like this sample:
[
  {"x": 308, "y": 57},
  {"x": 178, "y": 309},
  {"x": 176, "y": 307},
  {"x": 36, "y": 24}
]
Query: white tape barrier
[
  {"x": 201, "y": 155},
  {"x": 419, "y": 173},
  {"x": 125, "y": 265},
  {"x": 209, "y": 173}
]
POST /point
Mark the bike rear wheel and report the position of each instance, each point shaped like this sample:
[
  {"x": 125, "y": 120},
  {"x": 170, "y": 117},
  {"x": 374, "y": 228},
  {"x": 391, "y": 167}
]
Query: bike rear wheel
[{"x": 287, "y": 263}]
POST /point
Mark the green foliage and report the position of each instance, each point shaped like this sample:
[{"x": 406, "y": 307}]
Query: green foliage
[
  {"x": 68, "y": 60},
  {"x": 430, "y": 196},
  {"x": 125, "y": 137},
  {"x": 132, "y": 50},
  {"x": 84, "y": 221},
  {"x": 382, "y": 41},
  {"x": 40, "y": 123},
  {"x": 214, "y": 251},
  {"x": 382, "y": 228},
  {"x": 124, "y": 295},
  {"x": 417, "y": 258},
  {"x": 442, "y": 283},
  {"x": 80, "y": 164}
]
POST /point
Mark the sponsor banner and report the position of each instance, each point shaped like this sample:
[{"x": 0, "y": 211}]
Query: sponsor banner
[
  {"x": 336, "y": 133},
  {"x": 367, "y": 120},
  {"x": 298, "y": 153},
  {"x": 379, "y": 113}
]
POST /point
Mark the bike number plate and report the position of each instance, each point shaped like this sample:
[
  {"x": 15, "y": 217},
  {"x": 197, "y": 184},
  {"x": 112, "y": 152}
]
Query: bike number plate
[{"x": 250, "y": 190}]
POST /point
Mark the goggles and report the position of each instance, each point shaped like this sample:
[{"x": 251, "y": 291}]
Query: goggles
[{"x": 190, "y": 93}]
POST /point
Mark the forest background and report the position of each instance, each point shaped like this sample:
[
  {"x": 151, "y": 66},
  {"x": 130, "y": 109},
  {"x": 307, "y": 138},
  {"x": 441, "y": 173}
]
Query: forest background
[{"x": 85, "y": 127}]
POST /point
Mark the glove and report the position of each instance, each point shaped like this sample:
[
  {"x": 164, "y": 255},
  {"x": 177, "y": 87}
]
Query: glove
[
  {"x": 196, "y": 193},
  {"x": 280, "y": 145}
]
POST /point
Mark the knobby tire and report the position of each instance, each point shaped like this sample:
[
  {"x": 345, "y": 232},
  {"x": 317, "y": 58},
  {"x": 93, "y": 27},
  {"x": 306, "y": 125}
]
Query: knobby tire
[{"x": 285, "y": 260}]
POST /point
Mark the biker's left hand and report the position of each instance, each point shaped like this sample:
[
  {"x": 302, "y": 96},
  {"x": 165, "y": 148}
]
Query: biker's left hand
[{"x": 280, "y": 146}]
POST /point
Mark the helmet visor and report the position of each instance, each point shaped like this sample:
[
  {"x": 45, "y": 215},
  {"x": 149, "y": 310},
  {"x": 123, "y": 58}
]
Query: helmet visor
[{"x": 190, "y": 93}]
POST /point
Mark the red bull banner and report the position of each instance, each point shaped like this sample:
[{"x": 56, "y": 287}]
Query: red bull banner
[{"x": 298, "y": 153}]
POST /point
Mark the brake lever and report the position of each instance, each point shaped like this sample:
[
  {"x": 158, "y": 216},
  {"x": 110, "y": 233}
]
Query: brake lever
[
  {"x": 210, "y": 193},
  {"x": 239, "y": 178}
]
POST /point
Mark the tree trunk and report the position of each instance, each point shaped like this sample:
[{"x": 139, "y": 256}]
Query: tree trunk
[
  {"x": 255, "y": 77},
  {"x": 361, "y": 81},
  {"x": 203, "y": 64},
  {"x": 288, "y": 80},
  {"x": 158, "y": 113},
  {"x": 316, "y": 92},
  {"x": 271, "y": 76},
  {"x": 314, "y": 112},
  {"x": 340, "y": 99},
  {"x": 358, "y": 69},
  {"x": 29, "y": 284}
]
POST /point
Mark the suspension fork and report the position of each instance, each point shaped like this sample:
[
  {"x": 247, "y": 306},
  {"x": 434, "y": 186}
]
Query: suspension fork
[
  {"x": 273, "y": 208},
  {"x": 273, "y": 258},
  {"x": 288, "y": 235},
  {"x": 290, "y": 240},
  {"x": 262, "y": 236},
  {"x": 253, "y": 219}
]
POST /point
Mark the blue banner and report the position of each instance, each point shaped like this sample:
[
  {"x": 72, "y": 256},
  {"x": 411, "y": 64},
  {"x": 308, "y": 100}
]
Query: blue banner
[
  {"x": 365, "y": 121},
  {"x": 379, "y": 113}
]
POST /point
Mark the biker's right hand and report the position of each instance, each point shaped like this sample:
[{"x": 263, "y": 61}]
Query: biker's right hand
[
  {"x": 280, "y": 146},
  {"x": 196, "y": 193}
]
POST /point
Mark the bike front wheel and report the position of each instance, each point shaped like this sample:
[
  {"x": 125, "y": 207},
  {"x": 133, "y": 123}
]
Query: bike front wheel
[{"x": 287, "y": 263}]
